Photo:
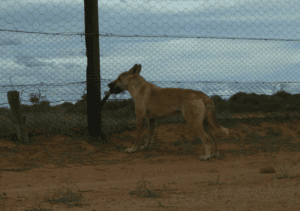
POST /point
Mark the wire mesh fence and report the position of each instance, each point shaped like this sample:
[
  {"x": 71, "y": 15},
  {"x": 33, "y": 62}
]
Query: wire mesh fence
[{"x": 219, "y": 48}]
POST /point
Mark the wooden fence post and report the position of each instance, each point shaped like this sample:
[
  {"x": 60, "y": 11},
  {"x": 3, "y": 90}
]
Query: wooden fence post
[{"x": 16, "y": 117}]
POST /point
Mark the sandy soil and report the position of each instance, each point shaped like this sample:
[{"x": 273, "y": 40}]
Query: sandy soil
[{"x": 61, "y": 173}]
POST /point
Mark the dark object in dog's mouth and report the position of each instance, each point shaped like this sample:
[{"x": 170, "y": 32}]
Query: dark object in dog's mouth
[
  {"x": 104, "y": 100},
  {"x": 116, "y": 90}
]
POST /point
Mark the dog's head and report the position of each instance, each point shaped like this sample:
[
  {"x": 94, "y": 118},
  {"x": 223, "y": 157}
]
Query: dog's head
[{"x": 121, "y": 83}]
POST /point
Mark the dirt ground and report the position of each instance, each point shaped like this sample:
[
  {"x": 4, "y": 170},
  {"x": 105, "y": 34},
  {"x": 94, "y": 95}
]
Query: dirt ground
[{"x": 61, "y": 173}]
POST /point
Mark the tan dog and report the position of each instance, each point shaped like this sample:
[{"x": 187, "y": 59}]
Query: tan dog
[{"x": 154, "y": 102}]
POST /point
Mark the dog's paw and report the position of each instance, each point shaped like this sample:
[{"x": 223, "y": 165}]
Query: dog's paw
[
  {"x": 205, "y": 158},
  {"x": 130, "y": 150}
]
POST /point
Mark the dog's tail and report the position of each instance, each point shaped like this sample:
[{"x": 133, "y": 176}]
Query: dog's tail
[{"x": 211, "y": 118}]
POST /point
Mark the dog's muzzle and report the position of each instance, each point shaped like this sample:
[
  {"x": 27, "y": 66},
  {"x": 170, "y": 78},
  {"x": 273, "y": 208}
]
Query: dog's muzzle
[{"x": 113, "y": 89}]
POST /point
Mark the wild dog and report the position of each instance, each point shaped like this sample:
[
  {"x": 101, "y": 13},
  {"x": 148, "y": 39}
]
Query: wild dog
[{"x": 154, "y": 102}]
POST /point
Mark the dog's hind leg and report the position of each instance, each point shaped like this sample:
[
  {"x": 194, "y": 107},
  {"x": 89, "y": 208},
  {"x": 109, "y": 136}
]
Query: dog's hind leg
[
  {"x": 194, "y": 113},
  {"x": 213, "y": 139},
  {"x": 200, "y": 133},
  {"x": 150, "y": 137}
]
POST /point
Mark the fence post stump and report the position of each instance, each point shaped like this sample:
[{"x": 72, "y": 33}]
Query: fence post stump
[{"x": 16, "y": 117}]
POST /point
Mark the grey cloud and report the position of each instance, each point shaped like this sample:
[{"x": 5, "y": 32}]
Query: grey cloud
[
  {"x": 9, "y": 42},
  {"x": 27, "y": 60}
]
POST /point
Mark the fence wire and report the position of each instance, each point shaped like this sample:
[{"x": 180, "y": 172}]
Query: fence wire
[{"x": 220, "y": 48}]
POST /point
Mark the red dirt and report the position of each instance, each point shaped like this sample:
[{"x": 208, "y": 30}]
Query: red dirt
[{"x": 104, "y": 176}]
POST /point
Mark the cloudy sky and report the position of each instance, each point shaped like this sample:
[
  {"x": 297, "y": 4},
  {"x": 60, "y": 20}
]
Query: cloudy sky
[{"x": 179, "y": 41}]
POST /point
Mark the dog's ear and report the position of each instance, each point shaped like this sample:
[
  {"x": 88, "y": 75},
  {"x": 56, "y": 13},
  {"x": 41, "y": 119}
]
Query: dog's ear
[{"x": 136, "y": 69}]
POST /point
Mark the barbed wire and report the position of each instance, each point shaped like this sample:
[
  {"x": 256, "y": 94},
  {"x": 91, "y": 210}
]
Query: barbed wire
[
  {"x": 108, "y": 80},
  {"x": 152, "y": 36},
  {"x": 59, "y": 101}
]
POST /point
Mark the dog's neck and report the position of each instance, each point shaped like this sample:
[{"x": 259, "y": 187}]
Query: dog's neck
[{"x": 134, "y": 86}]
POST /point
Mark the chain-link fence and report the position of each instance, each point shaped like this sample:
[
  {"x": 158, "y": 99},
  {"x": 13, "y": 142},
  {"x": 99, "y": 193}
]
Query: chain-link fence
[{"x": 218, "y": 47}]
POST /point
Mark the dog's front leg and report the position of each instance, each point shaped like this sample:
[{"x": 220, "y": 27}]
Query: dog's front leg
[
  {"x": 150, "y": 137},
  {"x": 139, "y": 130}
]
